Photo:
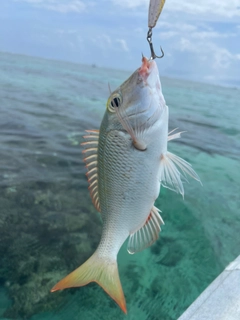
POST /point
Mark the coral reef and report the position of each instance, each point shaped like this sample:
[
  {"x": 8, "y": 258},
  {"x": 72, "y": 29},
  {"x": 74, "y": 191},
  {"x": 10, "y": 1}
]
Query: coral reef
[{"x": 46, "y": 231}]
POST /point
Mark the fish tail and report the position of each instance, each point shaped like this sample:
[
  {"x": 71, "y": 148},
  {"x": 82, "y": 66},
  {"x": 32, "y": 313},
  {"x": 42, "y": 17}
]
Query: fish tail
[{"x": 100, "y": 270}]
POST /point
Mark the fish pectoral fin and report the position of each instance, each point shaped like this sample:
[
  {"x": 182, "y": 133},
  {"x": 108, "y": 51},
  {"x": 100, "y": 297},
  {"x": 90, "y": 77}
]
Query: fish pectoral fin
[
  {"x": 176, "y": 135},
  {"x": 147, "y": 234},
  {"x": 171, "y": 176},
  {"x": 103, "y": 271},
  {"x": 91, "y": 158}
]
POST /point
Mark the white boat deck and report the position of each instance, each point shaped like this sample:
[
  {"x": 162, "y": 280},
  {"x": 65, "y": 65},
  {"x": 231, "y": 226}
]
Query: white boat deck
[{"x": 221, "y": 299}]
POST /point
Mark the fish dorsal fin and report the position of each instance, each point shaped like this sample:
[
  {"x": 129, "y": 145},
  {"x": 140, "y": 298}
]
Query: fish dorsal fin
[
  {"x": 147, "y": 234},
  {"x": 91, "y": 155},
  {"x": 171, "y": 176}
]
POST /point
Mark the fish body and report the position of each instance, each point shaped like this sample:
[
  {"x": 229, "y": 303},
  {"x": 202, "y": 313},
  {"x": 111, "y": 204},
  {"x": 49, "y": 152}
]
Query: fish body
[
  {"x": 127, "y": 162},
  {"x": 129, "y": 179}
]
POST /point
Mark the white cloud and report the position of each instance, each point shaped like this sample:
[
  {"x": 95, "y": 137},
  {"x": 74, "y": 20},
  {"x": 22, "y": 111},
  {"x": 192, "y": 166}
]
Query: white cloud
[
  {"x": 131, "y": 3},
  {"x": 64, "y": 32},
  {"x": 200, "y": 48},
  {"x": 194, "y": 44},
  {"x": 193, "y": 32},
  {"x": 209, "y": 8},
  {"x": 62, "y": 6},
  {"x": 223, "y": 58},
  {"x": 165, "y": 35},
  {"x": 123, "y": 44},
  {"x": 215, "y": 57},
  {"x": 210, "y": 35},
  {"x": 105, "y": 39},
  {"x": 102, "y": 42},
  {"x": 187, "y": 36},
  {"x": 186, "y": 45}
]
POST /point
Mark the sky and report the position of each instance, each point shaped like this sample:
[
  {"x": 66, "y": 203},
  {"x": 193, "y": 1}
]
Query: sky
[{"x": 200, "y": 39}]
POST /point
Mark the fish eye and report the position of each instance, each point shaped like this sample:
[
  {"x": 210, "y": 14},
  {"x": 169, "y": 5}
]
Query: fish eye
[{"x": 114, "y": 102}]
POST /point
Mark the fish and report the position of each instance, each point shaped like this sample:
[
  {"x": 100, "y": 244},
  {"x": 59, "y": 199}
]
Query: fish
[{"x": 127, "y": 162}]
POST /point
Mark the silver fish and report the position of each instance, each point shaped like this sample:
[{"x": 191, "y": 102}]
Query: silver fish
[{"x": 127, "y": 162}]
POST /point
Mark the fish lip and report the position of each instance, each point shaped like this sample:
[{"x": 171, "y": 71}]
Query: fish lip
[{"x": 145, "y": 70}]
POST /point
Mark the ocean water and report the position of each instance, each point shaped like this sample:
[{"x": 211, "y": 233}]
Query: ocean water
[{"x": 48, "y": 225}]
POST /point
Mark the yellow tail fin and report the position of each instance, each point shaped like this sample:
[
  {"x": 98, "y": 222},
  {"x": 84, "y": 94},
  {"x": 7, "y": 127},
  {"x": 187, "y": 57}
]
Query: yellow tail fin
[{"x": 100, "y": 270}]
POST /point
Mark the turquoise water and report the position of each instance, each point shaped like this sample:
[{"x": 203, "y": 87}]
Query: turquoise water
[{"x": 48, "y": 225}]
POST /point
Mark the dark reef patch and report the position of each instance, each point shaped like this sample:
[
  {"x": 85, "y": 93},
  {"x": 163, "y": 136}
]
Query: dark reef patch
[{"x": 44, "y": 236}]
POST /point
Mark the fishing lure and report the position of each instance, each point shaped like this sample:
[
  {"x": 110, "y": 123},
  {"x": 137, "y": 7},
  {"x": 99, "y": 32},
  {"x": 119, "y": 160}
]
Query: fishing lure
[{"x": 154, "y": 11}]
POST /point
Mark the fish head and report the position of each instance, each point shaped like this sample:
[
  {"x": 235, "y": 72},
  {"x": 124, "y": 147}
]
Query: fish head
[{"x": 138, "y": 103}]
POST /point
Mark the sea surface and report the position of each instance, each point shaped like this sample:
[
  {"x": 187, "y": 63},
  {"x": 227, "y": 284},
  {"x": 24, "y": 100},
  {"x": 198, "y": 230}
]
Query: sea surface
[{"x": 48, "y": 225}]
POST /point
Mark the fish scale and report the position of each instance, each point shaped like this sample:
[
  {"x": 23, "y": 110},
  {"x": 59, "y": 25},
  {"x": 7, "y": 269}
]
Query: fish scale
[{"x": 125, "y": 197}]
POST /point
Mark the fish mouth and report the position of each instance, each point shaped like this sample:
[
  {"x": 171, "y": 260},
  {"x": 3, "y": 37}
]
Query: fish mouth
[{"x": 146, "y": 68}]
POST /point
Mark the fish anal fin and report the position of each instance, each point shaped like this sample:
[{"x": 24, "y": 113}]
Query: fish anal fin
[
  {"x": 147, "y": 234},
  {"x": 173, "y": 169},
  {"x": 100, "y": 270},
  {"x": 91, "y": 156}
]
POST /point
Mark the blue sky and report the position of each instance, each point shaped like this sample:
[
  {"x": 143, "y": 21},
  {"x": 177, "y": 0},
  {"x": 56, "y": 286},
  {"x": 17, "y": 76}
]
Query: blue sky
[{"x": 201, "y": 39}]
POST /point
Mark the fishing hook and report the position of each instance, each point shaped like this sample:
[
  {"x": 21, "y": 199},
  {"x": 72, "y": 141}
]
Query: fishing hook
[{"x": 149, "y": 39}]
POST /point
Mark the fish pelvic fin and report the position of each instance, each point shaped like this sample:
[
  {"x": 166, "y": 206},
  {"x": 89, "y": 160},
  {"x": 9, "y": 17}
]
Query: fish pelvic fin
[
  {"x": 174, "y": 169},
  {"x": 100, "y": 270}
]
